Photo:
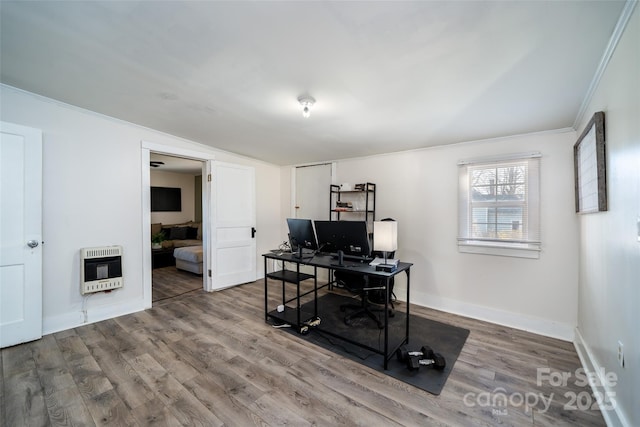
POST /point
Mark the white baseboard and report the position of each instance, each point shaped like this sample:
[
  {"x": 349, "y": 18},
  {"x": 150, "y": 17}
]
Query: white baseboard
[
  {"x": 74, "y": 319},
  {"x": 613, "y": 417},
  {"x": 536, "y": 325}
]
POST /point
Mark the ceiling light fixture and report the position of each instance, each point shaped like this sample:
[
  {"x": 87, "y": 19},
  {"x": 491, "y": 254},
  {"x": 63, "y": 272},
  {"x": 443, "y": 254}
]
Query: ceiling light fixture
[{"x": 307, "y": 102}]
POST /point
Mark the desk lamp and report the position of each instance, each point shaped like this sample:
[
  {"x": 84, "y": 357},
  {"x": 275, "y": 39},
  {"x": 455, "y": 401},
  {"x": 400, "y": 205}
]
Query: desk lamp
[{"x": 385, "y": 239}]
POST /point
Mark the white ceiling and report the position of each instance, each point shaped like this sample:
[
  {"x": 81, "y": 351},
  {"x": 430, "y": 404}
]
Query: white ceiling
[
  {"x": 387, "y": 75},
  {"x": 176, "y": 164}
]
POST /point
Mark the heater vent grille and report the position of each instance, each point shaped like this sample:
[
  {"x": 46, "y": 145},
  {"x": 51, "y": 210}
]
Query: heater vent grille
[
  {"x": 101, "y": 269},
  {"x": 105, "y": 251}
]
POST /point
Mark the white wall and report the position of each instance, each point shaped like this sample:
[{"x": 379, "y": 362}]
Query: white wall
[
  {"x": 420, "y": 190},
  {"x": 609, "y": 284},
  {"x": 175, "y": 180},
  {"x": 92, "y": 186}
]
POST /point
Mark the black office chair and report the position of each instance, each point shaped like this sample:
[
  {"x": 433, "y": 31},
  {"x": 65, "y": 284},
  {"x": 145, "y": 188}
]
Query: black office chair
[
  {"x": 370, "y": 289},
  {"x": 366, "y": 287}
]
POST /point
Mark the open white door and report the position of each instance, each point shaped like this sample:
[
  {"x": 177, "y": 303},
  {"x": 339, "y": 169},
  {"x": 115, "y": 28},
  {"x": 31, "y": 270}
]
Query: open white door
[
  {"x": 20, "y": 234},
  {"x": 233, "y": 219}
]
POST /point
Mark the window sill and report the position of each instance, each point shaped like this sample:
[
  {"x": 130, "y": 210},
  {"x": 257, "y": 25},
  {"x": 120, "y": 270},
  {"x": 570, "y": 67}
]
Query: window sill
[{"x": 522, "y": 251}]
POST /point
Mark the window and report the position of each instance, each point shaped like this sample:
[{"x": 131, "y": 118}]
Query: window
[{"x": 499, "y": 206}]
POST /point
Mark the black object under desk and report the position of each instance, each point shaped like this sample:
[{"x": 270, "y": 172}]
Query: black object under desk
[{"x": 304, "y": 318}]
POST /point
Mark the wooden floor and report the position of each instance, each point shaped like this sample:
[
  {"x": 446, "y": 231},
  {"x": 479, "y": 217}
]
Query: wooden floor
[
  {"x": 211, "y": 360},
  {"x": 169, "y": 282}
]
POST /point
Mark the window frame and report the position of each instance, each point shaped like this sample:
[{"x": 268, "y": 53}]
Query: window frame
[{"x": 529, "y": 246}]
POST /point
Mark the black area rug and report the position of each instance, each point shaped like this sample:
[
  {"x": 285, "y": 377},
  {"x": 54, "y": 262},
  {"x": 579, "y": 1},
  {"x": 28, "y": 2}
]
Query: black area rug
[{"x": 441, "y": 337}]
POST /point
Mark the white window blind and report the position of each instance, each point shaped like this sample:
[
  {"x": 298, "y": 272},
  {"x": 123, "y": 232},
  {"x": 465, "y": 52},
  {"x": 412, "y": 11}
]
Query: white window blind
[{"x": 499, "y": 206}]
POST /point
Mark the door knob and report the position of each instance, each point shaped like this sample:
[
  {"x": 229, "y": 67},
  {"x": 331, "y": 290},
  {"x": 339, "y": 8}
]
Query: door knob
[{"x": 32, "y": 244}]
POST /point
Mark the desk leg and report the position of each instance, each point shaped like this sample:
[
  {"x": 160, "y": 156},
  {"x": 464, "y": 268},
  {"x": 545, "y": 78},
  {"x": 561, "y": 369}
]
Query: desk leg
[
  {"x": 266, "y": 317},
  {"x": 386, "y": 324},
  {"x": 408, "y": 302},
  {"x": 315, "y": 292},
  {"x": 298, "y": 297},
  {"x": 284, "y": 295}
]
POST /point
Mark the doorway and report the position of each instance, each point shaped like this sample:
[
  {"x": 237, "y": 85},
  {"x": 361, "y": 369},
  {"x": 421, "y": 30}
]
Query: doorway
[
  {"x": 204, "y": 159},
  {"x": 176, "y": 226},
  {"x": 21, "y": 230},
  {"x": 228, "y": 219},
  {"x": 311, "y": 196},
  {"x": 312, "y": 191}
]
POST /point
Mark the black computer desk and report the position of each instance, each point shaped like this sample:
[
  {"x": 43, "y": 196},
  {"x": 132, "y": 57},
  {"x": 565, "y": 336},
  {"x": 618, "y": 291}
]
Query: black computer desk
[{"x": 303, "y": 320}]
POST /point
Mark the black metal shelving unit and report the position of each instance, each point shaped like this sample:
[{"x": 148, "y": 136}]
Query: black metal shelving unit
[
  {"x": 366, "y": 196},
  {"x": 363, "y": 204},
  {"x": 292, "y": 314}
]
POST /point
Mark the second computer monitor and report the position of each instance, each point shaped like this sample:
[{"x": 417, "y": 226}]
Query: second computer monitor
[
  {"x": 350, "y": 237},
  {"x": 301, "y": 234}
]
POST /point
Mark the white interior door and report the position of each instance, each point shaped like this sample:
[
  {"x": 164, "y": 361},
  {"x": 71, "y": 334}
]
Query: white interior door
[
  {"x": 233, "y": 220},
  {"x": 20, "y": 234},
  {"x": 312, "y": 191},
  {"x": 312, "y": 198}
]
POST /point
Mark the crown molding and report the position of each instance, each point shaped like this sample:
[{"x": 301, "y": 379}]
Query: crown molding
[{"x": 606, "y": 57}]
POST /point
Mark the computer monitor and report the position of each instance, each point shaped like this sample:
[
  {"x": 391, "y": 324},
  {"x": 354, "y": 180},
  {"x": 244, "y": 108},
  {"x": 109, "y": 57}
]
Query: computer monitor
[
  {"x": 350, "y": 237},
  {"x": 301, "y": 234}
]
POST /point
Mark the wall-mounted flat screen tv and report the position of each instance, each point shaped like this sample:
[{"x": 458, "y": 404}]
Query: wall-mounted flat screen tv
[{"x": 166, "y": 199}]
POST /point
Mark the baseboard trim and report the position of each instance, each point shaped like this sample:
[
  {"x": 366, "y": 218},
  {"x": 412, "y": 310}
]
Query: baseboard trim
[
  {"x": 536, "y": 325},
  {"x": 592, "y": 368},
  {"x": 53, "y": 324}
]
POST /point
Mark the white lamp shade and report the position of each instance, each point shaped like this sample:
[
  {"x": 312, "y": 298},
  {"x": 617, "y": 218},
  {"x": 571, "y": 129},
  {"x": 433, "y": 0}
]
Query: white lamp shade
[{"x": 385, "y": 236}]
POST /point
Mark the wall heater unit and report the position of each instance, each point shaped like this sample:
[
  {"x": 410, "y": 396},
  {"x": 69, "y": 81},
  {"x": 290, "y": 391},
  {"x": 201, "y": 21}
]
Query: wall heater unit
[{"x": 101, "y": 269}]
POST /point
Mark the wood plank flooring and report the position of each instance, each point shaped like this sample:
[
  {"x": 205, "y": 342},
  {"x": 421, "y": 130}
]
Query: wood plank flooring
[
  {"x": 169, "y": 282},
  {"x": 211, "y": 360}
]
